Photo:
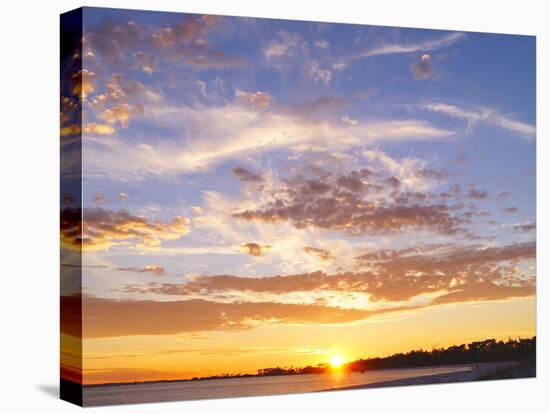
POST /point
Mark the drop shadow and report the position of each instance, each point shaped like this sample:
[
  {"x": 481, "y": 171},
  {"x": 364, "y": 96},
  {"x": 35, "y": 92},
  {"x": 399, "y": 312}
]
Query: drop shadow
[{"x": 49, "y": 389}]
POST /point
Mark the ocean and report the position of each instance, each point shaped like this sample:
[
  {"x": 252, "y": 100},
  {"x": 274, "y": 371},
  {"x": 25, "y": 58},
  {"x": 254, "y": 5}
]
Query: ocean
[{"x": 248, "y": 387}]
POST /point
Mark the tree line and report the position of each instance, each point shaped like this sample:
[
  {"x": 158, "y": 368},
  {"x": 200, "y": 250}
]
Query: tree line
[{"x": 488, "y": 350}]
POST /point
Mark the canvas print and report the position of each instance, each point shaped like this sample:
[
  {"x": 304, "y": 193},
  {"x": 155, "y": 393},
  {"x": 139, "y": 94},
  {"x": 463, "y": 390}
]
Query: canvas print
[{"x": 255, "y": 207}]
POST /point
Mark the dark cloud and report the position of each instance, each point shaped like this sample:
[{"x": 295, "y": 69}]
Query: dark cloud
[
  {"x": 511, "y": 209},
  {"x": 475, "y": 194},
  {"x": 362, "y": 202},
  {"x": 321, "y": 106},
  {"x": 244, "y": 175},
  {"x": 255, "y": 249},
  {"x": 436, "y": 175},
  {"x": 525, "y": 227}
]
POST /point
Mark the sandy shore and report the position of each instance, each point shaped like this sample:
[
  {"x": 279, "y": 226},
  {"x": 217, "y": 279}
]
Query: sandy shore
[{"x": 475, "y": 373}]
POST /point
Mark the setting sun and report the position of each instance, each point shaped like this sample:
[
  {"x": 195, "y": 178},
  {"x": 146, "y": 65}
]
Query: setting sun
[{"x": 336, "y": 361}]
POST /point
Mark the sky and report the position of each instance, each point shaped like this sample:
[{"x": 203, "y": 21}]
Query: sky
[{"x": 260, "y": 192}]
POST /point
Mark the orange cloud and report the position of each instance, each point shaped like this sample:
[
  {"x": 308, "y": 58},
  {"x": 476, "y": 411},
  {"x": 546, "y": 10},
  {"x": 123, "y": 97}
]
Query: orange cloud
[
  {"x": 320, "y": 253},
  {"x": 100, "y": 129},
  {"x": 112, "y": 317},
  {"x": 117, "y": 114},
  {"x": 255, "y": 249},
  {"x": 456, "y": 273},
  {"x": 91, "y": 128},
  {"x": 83, "y": 83},
  {"x": 98, "y": 228}
]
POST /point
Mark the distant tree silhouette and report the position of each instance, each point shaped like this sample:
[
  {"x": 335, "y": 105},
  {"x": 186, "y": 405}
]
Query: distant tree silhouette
[{"x": 488, "y": 350}]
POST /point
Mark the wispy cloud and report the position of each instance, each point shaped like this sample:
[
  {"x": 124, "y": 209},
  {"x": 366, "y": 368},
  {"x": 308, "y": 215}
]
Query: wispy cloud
[
  {"x": 474, "y": 115},
  {"x": 426, "y": 46},
  {"x": 219, "y": 133}
]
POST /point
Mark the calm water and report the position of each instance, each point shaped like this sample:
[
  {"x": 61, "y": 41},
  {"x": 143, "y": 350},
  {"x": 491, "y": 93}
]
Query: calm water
[{"x": 246, "y": 387}]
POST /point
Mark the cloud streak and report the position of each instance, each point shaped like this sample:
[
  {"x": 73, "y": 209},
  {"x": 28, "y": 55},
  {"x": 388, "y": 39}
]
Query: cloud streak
[
  {"x": 477, "y": 115},
  {"x": 404, "y": 48},
  {"x": 220, "y": 133}
]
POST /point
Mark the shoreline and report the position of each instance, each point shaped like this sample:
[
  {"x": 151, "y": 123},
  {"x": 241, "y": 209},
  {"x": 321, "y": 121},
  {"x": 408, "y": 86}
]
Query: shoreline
[{"x": 476, "y": 373}]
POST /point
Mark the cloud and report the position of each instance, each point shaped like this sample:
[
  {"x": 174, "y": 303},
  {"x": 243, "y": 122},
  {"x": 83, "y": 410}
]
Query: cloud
[
  {"x": 154, "y": 269},
  {"x": 426, "y": 46},
  {"x": 83, "y": 83},
  {"x": 98, "y": 198},
  {"x": 412, "y": 172},
  {"x": 318, "y": 74},
  {"x": 185, "y": 41},
  {"x": 91, "y": 128},
  {"x": 425, "y": 275},
  {"x": 510, "y": 209},
  {"x": 219, "y": 133},
  {"x": 146, "y": 62},
  {"x": 256, "y": 99},
  {"x": 98, "y": 228},
  {"x": 285, "y": 44},
  {"x": 422, "y": 69},
  {"x": 115, "y": 103},
  {"x": 202, "y": 58},
  {"x": 354, "y": 218},
  {"x": 112, "y": 39},
  {"x": 525, "y": 227},
  {"x": 98, "y": 129},
  {"x": 115, "y": 318},
  {"x": 392, "y": 198},
  {"x": 190, "y": 29},
  {"x": 255, "y": 249},
  {"x": 320, "y": 106},
  {"x": 475, "y": 194},
  {"x": 322, "y": 254},
  {"x": 244, "y": 175},
  {"x": 475, "y": 115},
  {"x": 322, "y": 44},
  {"x": 117, "y": 114}
]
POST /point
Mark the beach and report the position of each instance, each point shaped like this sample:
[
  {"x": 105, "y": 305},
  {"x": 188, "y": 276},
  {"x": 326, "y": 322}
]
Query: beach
[
  {"x": 476, "y": 372},
  {"x": 287, "y": 384}
]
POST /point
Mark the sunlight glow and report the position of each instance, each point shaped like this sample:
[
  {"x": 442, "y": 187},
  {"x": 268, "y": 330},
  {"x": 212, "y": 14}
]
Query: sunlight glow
[{"x": 336, "y": 361}]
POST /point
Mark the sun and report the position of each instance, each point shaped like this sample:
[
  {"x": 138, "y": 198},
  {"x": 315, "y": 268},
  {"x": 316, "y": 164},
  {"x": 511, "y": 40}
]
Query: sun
[{"x": 336, "y": 361}]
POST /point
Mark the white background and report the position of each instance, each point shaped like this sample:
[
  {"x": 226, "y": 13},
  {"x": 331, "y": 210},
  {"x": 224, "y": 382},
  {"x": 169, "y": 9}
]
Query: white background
[{"x": 29, "y": 194}]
